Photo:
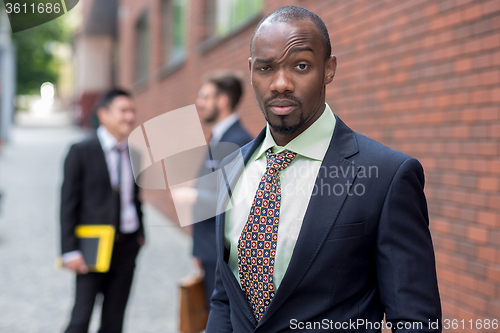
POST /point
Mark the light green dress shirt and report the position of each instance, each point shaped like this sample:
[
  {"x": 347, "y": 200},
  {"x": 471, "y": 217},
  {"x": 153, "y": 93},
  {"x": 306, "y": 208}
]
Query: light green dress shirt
[{"x": 297, "y": 184}]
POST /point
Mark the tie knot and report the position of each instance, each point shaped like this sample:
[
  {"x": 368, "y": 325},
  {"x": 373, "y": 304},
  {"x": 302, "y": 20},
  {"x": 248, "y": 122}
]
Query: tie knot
[
  {"x": 120, "y": 147},
  {"x": 281, "y": 160}
]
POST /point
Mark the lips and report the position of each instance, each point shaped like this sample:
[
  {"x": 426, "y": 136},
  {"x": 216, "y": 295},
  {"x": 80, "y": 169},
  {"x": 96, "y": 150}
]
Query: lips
[{"x": 282, "y": 107}]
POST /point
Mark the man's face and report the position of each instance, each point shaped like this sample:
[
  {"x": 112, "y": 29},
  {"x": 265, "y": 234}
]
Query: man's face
[
  {"x": 119, "y": 117},
  {"x": 289, "y": 73},
  {"x": 206, "y": 103}
]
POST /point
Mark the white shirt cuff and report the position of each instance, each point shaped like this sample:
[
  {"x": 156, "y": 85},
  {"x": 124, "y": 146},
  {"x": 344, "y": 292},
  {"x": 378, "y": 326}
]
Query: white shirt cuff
[{"x": 70, "y": 256}]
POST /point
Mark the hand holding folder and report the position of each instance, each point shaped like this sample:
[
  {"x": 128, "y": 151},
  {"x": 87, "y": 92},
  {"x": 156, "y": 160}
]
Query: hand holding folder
[
  {"x": 95, "y": 242},
  {"x": 77, "y": 265}
]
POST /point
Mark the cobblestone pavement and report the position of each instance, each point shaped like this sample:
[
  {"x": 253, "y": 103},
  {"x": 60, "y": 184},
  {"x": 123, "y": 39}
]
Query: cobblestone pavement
[{"x": 35, "y": 297}]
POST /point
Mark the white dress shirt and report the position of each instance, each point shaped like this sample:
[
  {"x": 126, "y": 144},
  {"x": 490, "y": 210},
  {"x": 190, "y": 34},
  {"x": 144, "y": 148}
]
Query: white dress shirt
[
  {"x": 129, "y": 221},
  {"x": 297, "y": 184}
]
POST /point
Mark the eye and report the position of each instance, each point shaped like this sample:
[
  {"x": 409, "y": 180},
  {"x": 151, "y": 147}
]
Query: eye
[
  {"x": 302, "y": 67},
  {"x": 264, "y": 68}
]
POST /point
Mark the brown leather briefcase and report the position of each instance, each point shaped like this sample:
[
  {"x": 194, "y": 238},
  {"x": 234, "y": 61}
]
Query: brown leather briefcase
[{"x": 193, "y": 309}]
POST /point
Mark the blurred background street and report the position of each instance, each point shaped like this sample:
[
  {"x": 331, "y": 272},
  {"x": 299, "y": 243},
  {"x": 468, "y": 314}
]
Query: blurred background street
[{"x": 35, "y": 296}]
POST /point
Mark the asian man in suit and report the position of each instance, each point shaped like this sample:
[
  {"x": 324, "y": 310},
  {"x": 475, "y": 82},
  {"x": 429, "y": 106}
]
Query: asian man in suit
[
  {"x": 99, "y": 188},
  {"x": 217, "y": 101},
  {"x": 335, "y": 232}
]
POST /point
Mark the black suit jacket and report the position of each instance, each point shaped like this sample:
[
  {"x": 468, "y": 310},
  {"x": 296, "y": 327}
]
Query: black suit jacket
[
  {"x": 204, "y": 231},
  {"x": 86, "y": 194},
  {"x": 358, "y": 255}
]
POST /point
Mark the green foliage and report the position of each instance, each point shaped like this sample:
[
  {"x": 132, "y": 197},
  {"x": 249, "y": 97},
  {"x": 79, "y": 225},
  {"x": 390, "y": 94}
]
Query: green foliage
[
  {"x": 35, "y": 62},
  {"x": 235, "y": 13}
]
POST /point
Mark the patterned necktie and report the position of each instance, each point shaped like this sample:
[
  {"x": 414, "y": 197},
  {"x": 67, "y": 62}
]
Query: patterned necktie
[{"x": 258, "y": 240}]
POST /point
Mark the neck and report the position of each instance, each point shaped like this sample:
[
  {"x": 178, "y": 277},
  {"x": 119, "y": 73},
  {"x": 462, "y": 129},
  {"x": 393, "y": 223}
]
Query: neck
[
  {"x": 117, "y": 136},
  {"x": 223, "y": 115}
]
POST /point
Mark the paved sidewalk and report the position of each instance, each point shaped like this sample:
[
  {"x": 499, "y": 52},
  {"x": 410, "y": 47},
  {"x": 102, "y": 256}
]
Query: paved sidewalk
[{"x": 35, "y": 297}]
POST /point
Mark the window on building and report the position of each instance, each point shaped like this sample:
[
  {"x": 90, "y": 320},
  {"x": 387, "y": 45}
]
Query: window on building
[
  {"x": 229, "y": 15},
  {"x": 174, "y": 31},
  {"x": 142, "y": 50}
]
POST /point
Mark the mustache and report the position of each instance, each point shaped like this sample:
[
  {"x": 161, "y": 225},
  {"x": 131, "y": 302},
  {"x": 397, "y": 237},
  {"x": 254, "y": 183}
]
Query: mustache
[{"x": 291, "y": 98}]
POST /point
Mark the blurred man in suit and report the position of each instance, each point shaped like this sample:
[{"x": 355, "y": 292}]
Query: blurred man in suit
[
  {"x": 321, "y": 243},
  {"x": 216, "y": 104},
  {"x": 99, "y": 188}
]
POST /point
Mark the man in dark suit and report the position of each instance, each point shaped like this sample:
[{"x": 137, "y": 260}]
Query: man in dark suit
[
  {"x": 99, "y": 188},
  {"x": 334, "y": 233},
  {"x": 216, "y": 104}
]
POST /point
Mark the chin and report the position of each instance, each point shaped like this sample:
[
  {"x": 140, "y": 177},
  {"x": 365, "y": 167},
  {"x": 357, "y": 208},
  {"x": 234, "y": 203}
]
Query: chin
[
  {"x": 288, "y": 130},
  {"x": 126, "y": 131},
  {"x": 284, "y": 128}
]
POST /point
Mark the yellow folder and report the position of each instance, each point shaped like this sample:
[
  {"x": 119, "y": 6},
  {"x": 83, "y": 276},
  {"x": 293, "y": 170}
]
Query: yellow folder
[{"x": 96, "y": 244}]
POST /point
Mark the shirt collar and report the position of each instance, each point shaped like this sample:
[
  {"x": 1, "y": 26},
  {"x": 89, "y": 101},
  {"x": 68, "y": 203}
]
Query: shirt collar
[
  {"x": 222, "y": 126},
  {"x": 107, "y": 140},
  {"x": 312, "y": 143}
]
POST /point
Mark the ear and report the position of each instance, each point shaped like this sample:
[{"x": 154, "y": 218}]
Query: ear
[
  {"x": 330, "y": 67},
  {"x": 102, "y": 113},
  {"x": 223, "y": 101},
  {"x": 250, "y": 69}
]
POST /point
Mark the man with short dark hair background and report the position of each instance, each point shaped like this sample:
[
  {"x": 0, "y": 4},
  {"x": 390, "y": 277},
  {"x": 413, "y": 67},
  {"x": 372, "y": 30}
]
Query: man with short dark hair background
[
  {"x": 99, "y": 188},
  {"x": 335, "y": 228},
  {"x": 217, "y": 101}
]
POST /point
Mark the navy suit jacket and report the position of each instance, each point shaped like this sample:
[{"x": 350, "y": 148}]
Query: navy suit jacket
[
  {"x": 360, "y": 253},
  {"x": 204, "y": 231}
]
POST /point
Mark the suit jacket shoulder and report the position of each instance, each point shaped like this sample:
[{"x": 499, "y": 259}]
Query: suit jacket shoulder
[
  {"x": 91, "y": 141},
  {"x": 237, "y": 134},
  {"x": 376, "y": 150}
]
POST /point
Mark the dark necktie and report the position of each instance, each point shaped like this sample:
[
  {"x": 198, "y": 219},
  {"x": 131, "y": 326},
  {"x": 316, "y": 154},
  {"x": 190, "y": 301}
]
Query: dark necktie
[
  {"x": 117, "y": 192},
  {"x": 258, "y": 240}
]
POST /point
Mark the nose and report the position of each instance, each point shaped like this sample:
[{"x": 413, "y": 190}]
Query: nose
[{"x": 282, "y": 82}]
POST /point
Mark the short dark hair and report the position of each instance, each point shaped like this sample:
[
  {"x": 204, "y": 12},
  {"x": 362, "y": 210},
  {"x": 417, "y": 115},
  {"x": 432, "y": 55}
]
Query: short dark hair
[
  {"x": 110, "y": 96},
  {"x": 229, "y": 84},
  {"x": 290, "y": 14}
]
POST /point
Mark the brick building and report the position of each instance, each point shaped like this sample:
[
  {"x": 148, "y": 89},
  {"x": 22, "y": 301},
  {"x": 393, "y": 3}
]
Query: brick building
[{"x": 421, "y": 76}]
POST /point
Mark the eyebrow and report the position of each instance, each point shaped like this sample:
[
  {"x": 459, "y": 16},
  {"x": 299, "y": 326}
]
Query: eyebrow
[{"x": 293, "y": 50}]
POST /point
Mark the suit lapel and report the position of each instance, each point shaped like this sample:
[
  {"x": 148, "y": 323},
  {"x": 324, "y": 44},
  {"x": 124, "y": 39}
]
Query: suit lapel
[
  {"x": 232, "y": 173},
  {"x": 100, "y": 159},
  {"x": 321, "y": 213}
]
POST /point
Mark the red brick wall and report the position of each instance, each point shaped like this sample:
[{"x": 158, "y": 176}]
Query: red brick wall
[{"x": 420, "y": 76}]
